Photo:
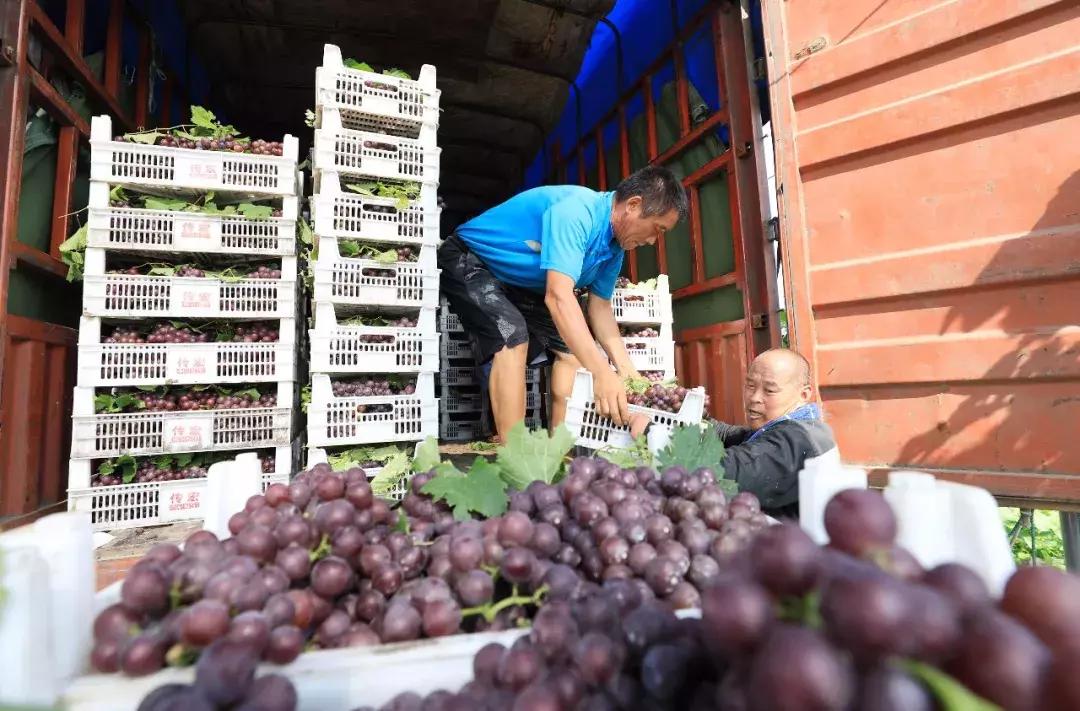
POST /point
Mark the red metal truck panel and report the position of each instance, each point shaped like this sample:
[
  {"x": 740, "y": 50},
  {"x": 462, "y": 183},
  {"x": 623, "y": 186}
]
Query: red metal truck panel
[{"x": 929, "y": 176}]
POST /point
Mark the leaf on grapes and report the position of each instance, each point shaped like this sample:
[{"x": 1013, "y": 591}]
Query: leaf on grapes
[
  {"x": 145, "y": 137},
  {"x": 185, "y": 459},
  {"x": 307, "y": 235},
  {"x": 636, "y": 385},
  {"x": 103, "y": 403},
  {"x": 309, "y": 118},
  {"x": 126, "y": 400},
  {"x": 252, "y": 393},
  {"x": 629, "y": 457},
  {"x": 483, "y": 446},
  {"x": 162, "y": 270},
  {"x": 365, "y": 188},
  {"x": 481, "y": 490},
  {"x": 950, "y": 693},
  {"x": 348, "y": 248},
  {"x": 427, "y": 455},
  {"x": 692, "y": 447},
  {"x": 382, "y": 454},
  {"x": 532, "y": 455},
  {"x": 118, "y": 193},
  {"x": 399, "y": 73},
  {"x": 305, "y": 398},
  {"x": 254, "y": 212},
  {"x": 389, "y": 477},
  {"x": 165, "y": 461},
  {"x": 389, "y": 256},
  {"x": 73, "y": 253},
  {"x": 351, "y": 63},
  {"x": 127, "y": 466},
  {"x": 204, "y": 118},
  {"x": 402, "y": 523},
  {"x": 162, "y": 203}
]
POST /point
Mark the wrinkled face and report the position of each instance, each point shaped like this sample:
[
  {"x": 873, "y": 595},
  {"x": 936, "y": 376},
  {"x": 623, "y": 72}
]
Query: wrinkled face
[
  {"x": 632, "y": 229},
  {"x": 774, "y": 387}
]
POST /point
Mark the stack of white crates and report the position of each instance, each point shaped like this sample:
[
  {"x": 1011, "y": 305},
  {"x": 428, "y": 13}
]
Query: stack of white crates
[
  {"x": 645, "y": 321},
  {"x": 465, "y": 405},
  {"x": 374, "y": 311},
  {"x": 124, "y": 301}
]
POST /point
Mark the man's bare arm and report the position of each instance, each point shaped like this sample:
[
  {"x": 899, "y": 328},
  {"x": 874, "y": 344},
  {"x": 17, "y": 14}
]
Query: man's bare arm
[
  {"x": 566, "y": 312},
  {"x": 606, "y": 331}
]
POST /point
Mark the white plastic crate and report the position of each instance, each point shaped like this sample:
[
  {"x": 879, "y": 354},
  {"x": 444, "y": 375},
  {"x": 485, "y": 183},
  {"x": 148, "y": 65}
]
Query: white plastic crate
[
  {"x": 355, "y": 282},
  {"x": 319, "y": 455},
  {"x": 99, "y": 435},
  {"x": 643, "y": 305},
  {"x": 657, "y": 354},
  {"x": 157, "y": 233},
  {"x": 333, "y": 421},
  {"x": 126, "y": 364},
  {"x": 369, "y": 101},
  {"x": 187, "y": 169},
  {"x": 131, "y": 296},
  {"x": 149, "y": 504},
  {"x": 595, "y": 432},
  {"x": 340, "y": 349},
  {"x": 349, "y": 215},
  {"x": 378, "y": 156}
]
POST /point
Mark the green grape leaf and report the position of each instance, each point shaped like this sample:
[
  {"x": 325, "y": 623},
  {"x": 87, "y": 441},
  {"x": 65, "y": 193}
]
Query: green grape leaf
[
  {"x": 530, "y": 456},
  {"x": 401, "y": 525},
  {"x": 692, "y": 447},
  {"x": 628, "y": 457},
  {"x": 185, "y": 459},
  {"x": 203, "y": 118},
  {"x": 127, "y": 466},
  {"x": 73, "y": 253},
  {"x": 307, "y": 235},
  {"x": 161, "y": 203},
  {"x": 162, "y": 270},
  {"x": 348, "y": 248},
  {"x": 636, "y": 385},
  {"x": 104, "y": 403},
  {"x": 125, "y": 401},
  {"x": 390, "y": 476},
  {"x": 389, "y": 256},
  {"x": 399, "y": 73},
  {"x": 365, "y": 188},
  {"x": 354, "y": 64},
  {"x": 254, "y": 212},
  {"x": 309, "y": 118},
  {"x": 145, "y": 137},
  {"x": 305, "y": 397},
  {"x": 382, "y": 454},
  {"x": 252, "y": 393},
  {"x": 483, "y": 446},
  {"x": 164, "y": 461},
  {"x": 481, "y": 490},
  {"x": 427, "y": 455},
  {"x": 950, "y": 693},
  {"x": 118, "y": 193}
]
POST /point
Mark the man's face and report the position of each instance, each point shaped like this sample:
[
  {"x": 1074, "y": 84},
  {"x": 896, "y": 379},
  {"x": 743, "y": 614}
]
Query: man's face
[
  {"x": 632, "y": 229},
  {"x": 774, "y": 386}
]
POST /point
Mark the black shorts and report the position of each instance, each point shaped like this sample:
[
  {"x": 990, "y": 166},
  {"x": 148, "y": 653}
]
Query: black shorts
[{"x": 494, "y": 314}]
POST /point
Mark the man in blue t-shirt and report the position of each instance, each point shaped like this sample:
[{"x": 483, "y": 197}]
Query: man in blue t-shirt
[{"x": 510, "y": 274}]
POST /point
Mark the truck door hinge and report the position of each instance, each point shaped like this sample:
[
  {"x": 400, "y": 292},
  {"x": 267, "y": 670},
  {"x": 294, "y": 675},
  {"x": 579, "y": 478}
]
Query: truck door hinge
[{"x": 745, "y": 150}]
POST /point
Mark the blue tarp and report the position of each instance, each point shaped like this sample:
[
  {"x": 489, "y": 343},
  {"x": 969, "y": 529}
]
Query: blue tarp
[{"x": 646, "y": 27}]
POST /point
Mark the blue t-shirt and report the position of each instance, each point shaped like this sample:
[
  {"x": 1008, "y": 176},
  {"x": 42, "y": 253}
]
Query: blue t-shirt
[{"x": 566, "y": 228}]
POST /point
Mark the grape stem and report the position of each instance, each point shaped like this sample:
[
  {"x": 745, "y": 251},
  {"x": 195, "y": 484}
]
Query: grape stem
[
  {"x": 322, "y": 550},
  {"x": 491, "y": 609}
]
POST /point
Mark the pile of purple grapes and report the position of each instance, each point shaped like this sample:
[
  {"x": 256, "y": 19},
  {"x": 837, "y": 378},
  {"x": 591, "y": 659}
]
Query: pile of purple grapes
[
  {"x": 321, "y": 562},
  {"x": 659, "y": 397},
  {"x": 225, "y": 143},
  {"x": 789, "y": 625},
  {"x": 166, "y": 332},
  {"x": 373, "y": 386},
  {"x": 184, "y": 399}
]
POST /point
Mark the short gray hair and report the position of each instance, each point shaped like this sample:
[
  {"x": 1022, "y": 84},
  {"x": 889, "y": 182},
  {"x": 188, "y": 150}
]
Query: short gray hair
[{"x": 660, "y": 191}]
